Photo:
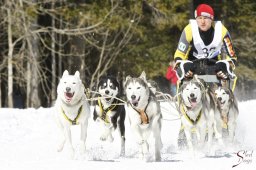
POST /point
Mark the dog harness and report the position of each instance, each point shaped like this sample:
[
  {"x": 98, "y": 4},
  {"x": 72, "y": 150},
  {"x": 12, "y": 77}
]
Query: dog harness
[
  {"x": 184, "y": 112},
  {"x": 224, "y": 119},
  {"x": 104, "y": 113},
  {"x": 143, "y": 114},
  {"x": 73, "y": 122}
]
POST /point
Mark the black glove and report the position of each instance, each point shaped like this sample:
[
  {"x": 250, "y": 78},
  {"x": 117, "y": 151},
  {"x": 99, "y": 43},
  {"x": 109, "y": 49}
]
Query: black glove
[
  {"x": 221, "y": 70},
  {"x": 221, "y": 67},
  {"x": 185, "y": 69},
  {"x": 189, "y": 67}
]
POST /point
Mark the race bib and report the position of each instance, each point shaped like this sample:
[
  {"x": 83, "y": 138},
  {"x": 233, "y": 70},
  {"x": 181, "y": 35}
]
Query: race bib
[{"x": 182, "y": 46}]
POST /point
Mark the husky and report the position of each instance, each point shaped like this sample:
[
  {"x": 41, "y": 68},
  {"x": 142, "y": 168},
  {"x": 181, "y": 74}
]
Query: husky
[
  {"x": 109, "y": 111},
  {"x": 72, "y": 108},
  {"x": 193, "y": 108},
  {"x": 228, "y": 110},
  {"x": 144, "y": 114}
]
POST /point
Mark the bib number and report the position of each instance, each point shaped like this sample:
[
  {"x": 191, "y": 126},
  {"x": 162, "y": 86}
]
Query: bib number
[{"x": 208, "y": 52}]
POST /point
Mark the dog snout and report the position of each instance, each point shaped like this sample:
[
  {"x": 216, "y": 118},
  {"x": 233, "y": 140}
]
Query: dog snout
[
  {"x": 219, "y": 98},
  {"x": 107, "y": 92},
  {"x": 192, "y": 95},
  {"x": 68, "y": 89},
  {"x": 133, "y": 97}
]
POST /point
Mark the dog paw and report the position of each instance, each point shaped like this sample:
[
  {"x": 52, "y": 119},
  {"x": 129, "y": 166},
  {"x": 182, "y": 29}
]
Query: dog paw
[
  {"x": 140, "y": 142},
  {"x": 60, "y": 146},
  {"x": 103, "y": 137},
  {"x": 98, "y": 120}
]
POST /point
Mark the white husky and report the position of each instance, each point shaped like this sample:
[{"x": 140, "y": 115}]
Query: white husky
[
  {"x": 144, "y": 114},
  {"x": 228, "y": 110},
  {"x": 72, "y": 108}
]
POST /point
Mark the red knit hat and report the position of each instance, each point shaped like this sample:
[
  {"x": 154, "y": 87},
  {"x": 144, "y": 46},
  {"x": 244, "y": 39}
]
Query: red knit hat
[{"x": 204, "y": 10}]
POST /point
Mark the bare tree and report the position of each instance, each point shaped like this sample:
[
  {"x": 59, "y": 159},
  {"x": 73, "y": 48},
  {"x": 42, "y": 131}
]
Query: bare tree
[
  {"x": 85, "y": 38},
  {"x": 74, "y": 40}
]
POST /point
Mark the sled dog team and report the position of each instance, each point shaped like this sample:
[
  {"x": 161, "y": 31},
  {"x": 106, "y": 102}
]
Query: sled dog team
[{"x": 204, "y": 112}]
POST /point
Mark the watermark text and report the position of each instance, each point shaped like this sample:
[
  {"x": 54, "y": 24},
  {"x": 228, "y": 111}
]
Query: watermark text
[{"x": 244, "y": 156}]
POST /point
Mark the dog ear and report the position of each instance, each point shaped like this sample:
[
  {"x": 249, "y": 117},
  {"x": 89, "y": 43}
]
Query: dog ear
[
  {"x": 143, "y": 76},
  {"x": 77, "y": 74},
  {"x": 65, "y": 73},
  {"x": 128, "y": 78},
  {"x": 231, "y": 95}
]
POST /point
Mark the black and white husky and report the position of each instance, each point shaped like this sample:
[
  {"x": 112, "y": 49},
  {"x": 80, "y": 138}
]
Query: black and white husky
[
  {"x": 228, "y": 110},
  {"x": 72, "y": 108},
  {"x": 144, "y": 114},
  {"x": 109, "y": 110}
]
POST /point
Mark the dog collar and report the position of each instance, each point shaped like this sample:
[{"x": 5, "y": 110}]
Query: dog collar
[
  {"x": 104, "y": 113},
  {"x": 73, "y": 122}
]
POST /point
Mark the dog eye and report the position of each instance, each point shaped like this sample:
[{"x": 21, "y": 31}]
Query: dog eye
[
  {"x": 65, "y": 82},
  {"x": 138, "y": 87},
  {"x": 74, "y": 83}
]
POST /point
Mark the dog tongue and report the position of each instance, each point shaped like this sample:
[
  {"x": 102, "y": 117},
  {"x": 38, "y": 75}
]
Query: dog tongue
[
  {"x": 69, "y": 96},
  {"x": 193, "y": 104},
  {"x": 135, "y": 103}
]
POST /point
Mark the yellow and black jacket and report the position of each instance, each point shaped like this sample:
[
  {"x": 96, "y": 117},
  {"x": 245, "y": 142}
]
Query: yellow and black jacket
[{"x": 195, "y": 44}]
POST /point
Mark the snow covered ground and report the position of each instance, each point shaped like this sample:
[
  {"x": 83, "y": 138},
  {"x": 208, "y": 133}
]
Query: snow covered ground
[{"x": 28, "y": 140}]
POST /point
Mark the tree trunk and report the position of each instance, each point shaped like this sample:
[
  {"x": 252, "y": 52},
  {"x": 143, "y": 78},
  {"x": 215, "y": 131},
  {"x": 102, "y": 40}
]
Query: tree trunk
[
  {"x": 61, "y": 49},
  {"x": 34, "y": 54},
  {"x": 0, "y": 91},
  {"x": 10, "y": 67},
  {"x": 28, "y": 82},
  {"x": 32, "y": 42},
  {"x": 53, "y": 89}
]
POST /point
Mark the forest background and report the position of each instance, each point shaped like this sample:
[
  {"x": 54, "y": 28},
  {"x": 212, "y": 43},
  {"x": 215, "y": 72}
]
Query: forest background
[{"x": 42, "y": 38}]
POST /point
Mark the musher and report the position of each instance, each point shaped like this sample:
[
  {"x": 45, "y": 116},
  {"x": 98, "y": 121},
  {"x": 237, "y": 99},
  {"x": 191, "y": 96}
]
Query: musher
[{"x": 205, "y": 47}]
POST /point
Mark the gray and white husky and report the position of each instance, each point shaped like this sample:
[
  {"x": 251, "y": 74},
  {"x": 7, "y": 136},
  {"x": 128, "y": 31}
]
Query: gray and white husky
[
  {"x": 194, "y": 108},
  {"x": 144, "y": 114},
  {"x": 228, "y": 110},
  {"x": 72, "y": 108}
]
